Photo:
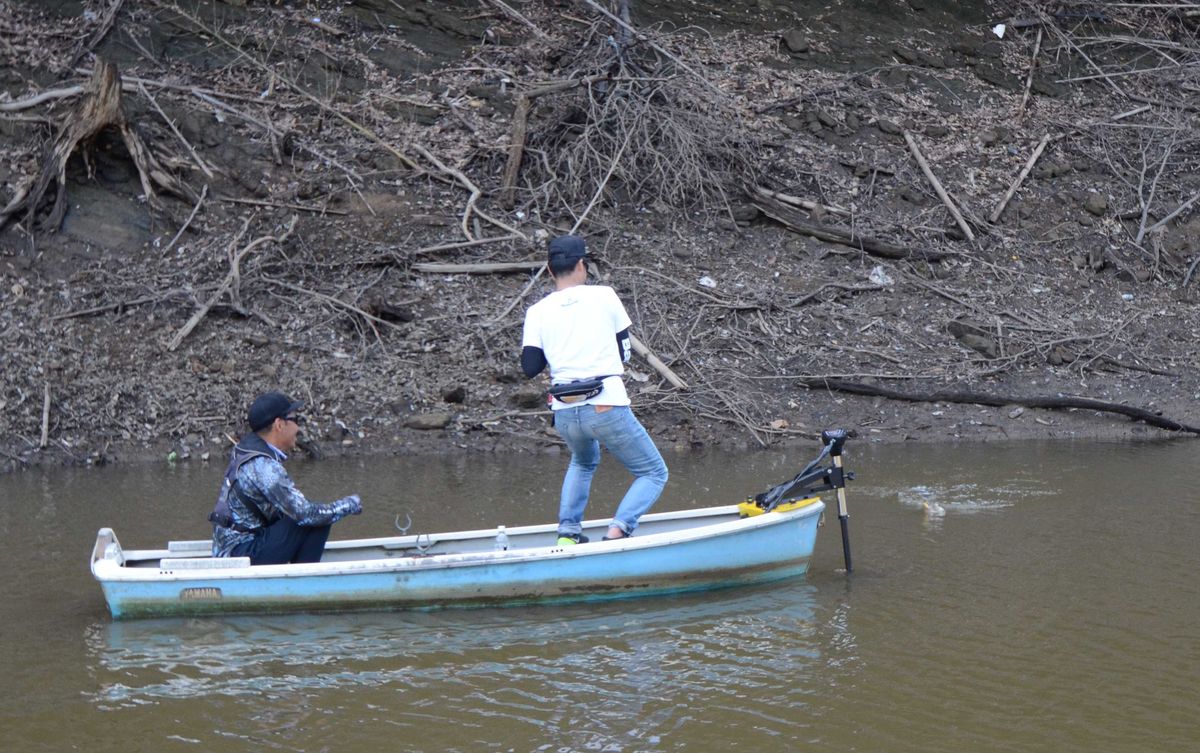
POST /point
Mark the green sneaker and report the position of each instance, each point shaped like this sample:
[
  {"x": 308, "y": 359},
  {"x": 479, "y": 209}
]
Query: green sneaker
[{"x": 571, "y": 539}]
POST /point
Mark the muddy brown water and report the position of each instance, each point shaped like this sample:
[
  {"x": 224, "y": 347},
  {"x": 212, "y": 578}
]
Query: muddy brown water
[{"x": 1051, "y": 608}]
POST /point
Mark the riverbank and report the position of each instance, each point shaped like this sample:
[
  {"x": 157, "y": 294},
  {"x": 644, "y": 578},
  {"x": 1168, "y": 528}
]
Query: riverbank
[
  {"x": 874, "y": 421},
  {"x": 797, "y": 209}
]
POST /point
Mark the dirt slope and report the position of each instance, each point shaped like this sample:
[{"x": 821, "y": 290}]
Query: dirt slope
[{"x": 754, "y": 193}]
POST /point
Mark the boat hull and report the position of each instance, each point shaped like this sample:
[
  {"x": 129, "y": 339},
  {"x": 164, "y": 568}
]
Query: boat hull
[{"x": 697, "y": 556}]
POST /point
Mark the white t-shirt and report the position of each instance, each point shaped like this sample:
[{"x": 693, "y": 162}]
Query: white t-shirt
[{"x": 576, "y": 329}]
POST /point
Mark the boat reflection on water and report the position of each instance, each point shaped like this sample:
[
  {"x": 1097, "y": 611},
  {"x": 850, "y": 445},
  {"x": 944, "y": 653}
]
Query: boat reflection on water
[{"x": 768, "y": 635}]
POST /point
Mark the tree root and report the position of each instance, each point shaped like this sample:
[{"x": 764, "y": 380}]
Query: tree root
[{"x": 99, "y": 110}]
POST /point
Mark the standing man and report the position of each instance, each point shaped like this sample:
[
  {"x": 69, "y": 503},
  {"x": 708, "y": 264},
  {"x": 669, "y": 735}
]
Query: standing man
[
  {"x": 260, "y": 513},
  {"x": 582, "y": 332}
]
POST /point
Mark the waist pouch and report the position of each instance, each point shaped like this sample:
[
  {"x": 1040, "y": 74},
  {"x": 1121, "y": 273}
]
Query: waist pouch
[{"x": 577, "y": 391}]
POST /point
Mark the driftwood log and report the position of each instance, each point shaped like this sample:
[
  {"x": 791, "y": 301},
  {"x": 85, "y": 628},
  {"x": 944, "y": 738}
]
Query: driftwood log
[
  {"x": 100, "y": 109},
  {"x": 794, "y": 219},
  {"x": 981, "y": 398}
]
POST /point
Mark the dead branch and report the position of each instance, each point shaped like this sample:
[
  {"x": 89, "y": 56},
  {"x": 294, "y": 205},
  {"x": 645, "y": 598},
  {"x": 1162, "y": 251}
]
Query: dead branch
[
  {"x": 516, "y": 142},
  {"x": 281, "y": 205},
  {"x": 834, "y": 286},
  {"x": 1191, "y": 270},
  {"x": 99, "y": 110},
  {"x": 868, "y": 352},
  {"x": 1174, "y": 213},
  {"x": 1037, "y": 46},
  {"x": 642, "y": 38},
  {"x": 515, "y": 14},
  {"x": 1148, "y": 201},
  {"x": 188, "y": 221},
  {"x": 520, "y": 296},
  {"x": 46, "y": 417},
  {"x": 37, "y": 99},
  {"x": 657, "y": 363},
  {"x": 204, "y": 96},
  {"x": 483, "y": 268},
  {"x": 937, "y": 186},
  {"x": 1164, "y": 103},
  {"x": 118, "y": 305},
  {"x": 466, "y": 182},
  {"x": 730, "y": 405},
  {"x": 204, "y": 167},
  {"x": 1033, "y": 158},
  {"x": 616, "y": 160},
  {"x": 516, "y": 151},
  {"x": 1069, "y": 42},
  {"x": 464, "y": 244},
  {"x": 675, "y": 282},
  {"x": 336, "y": 302},
  {"x": 686, "y": 146},
  {"x": 231, "y": 278}
]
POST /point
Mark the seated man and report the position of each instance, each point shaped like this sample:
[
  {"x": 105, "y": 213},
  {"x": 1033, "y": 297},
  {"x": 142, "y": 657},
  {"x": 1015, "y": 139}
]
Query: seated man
[{"x": 260, "y": 513}]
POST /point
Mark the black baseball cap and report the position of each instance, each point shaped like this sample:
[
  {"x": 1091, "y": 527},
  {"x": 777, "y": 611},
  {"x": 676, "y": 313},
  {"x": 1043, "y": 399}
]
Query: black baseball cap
[
  {"x": 568, "y": 249},
  {"x": 270, "y": 406}
]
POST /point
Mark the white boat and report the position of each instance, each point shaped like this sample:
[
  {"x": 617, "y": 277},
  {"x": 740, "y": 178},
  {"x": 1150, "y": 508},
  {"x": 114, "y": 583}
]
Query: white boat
[{"x": 768, "y": 537}]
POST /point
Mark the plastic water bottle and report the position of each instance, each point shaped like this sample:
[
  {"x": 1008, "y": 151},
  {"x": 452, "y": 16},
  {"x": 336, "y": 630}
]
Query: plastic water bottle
[{"x": 501, "y": 539}]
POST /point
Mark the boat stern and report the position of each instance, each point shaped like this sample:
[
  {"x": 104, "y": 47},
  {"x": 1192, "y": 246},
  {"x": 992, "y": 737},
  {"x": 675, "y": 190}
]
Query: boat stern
[{"x": 107, "y": 548}]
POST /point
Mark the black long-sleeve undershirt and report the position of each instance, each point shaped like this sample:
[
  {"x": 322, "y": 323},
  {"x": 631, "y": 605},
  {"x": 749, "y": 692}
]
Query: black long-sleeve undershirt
[{"x": 533, "y": 360}]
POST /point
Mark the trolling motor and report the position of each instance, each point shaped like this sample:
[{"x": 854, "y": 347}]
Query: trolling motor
[{"x": 816, "y": 477}]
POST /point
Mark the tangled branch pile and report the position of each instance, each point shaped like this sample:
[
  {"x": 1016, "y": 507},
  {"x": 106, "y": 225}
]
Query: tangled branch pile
[{"x": 630, "y": 128}]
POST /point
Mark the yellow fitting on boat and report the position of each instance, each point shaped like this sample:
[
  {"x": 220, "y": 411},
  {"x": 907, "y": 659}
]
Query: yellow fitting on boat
[{"x": 750, "y": 508}]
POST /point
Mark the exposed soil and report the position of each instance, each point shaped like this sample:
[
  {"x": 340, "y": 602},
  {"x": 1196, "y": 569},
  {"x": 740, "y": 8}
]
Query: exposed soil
[{"x": 747, "y": 175}]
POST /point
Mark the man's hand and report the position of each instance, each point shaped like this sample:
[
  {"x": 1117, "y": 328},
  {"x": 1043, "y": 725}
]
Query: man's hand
[{"x": 356, "y": 507}]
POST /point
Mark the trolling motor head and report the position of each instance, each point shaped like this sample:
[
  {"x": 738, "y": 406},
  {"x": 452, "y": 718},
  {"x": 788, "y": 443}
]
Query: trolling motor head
[
  {"x": 834, "y": 439},
  {"x": 814, "y": 479}
]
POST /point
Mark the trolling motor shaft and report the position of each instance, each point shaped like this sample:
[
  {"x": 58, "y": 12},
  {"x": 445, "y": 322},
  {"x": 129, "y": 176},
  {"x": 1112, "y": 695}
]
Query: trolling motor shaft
[{"x": 835, "y": 451}]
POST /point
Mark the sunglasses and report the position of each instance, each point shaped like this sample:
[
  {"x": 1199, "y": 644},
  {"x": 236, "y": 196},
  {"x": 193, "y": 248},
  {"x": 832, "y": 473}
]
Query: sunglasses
[{"x": 294, "y": 418}]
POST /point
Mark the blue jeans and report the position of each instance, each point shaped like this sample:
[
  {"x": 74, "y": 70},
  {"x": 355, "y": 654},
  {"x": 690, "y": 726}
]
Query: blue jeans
[{"x": 584, "y": 431}]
